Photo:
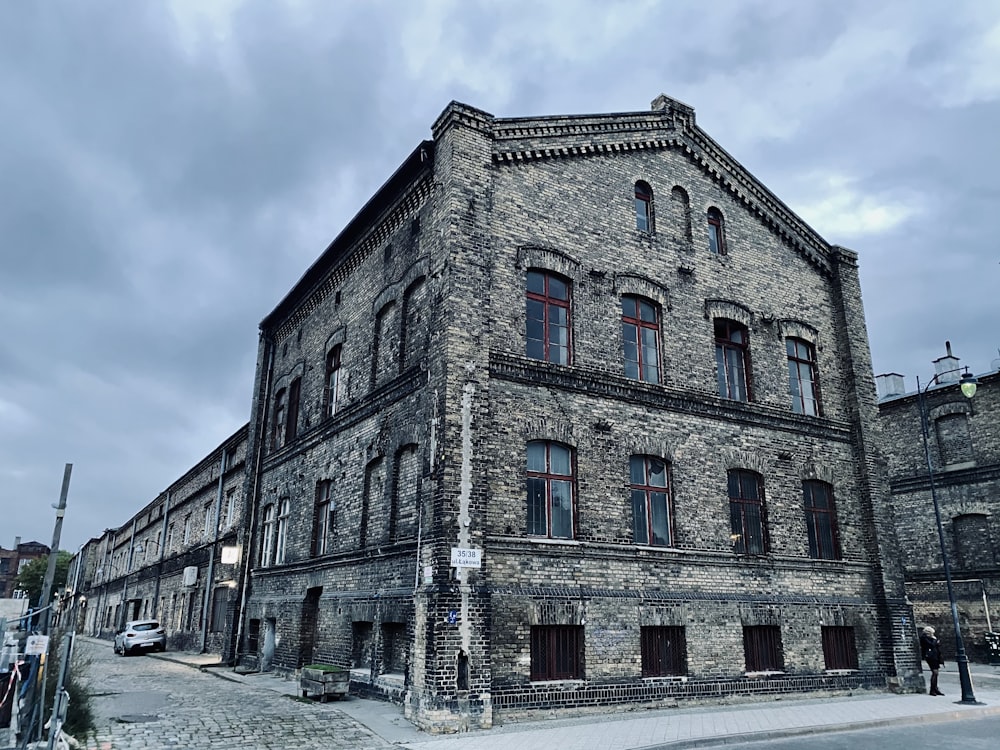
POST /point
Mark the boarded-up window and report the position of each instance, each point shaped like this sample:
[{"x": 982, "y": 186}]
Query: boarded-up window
[
  {"x": 972, "y": 537},
  {"x": 954, "y": 444}
]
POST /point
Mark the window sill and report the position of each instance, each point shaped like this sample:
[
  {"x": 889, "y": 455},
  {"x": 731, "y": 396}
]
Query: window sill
[
  {"x": 554, "y": 542},
  {"x": 763, "y": 675},
  {"x": 565, "y": 684},
  {"x": 840, "y": 672},
  {"x": 667, "y": 678}
]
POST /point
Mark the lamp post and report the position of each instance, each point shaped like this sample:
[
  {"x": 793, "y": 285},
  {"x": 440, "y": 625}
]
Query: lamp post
[{"x": 968, "y": 384}]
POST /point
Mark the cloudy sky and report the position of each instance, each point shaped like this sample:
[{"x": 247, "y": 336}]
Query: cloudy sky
[{"x": 169, "y": 169}]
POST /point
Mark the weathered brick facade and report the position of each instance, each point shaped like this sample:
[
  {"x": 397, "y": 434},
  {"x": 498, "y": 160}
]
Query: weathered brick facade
[
  {"x": 167, "y": 561},
  {"x": 399, "y": 394},
  {"x": 964, "y": 442}
]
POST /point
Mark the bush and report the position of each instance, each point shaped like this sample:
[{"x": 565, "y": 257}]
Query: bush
[{"x": 79, "y": 712}]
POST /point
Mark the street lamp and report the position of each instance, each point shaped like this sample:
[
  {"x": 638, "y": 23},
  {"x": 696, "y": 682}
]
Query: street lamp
[{"x": 967, "y": 384}]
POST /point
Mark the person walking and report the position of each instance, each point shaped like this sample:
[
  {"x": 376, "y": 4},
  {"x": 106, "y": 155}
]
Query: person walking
[{"x": 930, "y": 652}]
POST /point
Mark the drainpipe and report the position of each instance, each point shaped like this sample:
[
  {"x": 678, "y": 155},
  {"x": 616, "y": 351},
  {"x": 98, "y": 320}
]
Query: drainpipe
[
  {"x": 159, "y": 562},
  {"x": 250, "y": 497},
  {"x": 128, "y": 569},
  {"x": 211, "y": 552}
]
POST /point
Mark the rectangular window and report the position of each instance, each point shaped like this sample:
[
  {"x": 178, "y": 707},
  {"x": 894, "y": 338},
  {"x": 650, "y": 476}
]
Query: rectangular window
[
  {"x": 732, "y": 359},
  {"x": 332, "y": 390},
  {"x": 643, "y": 207},
  {"x": 548, "y": 322},
  {"x": 230, "y": 507},
  {"x": 209, "y": 521},
  {"x": 641, "y": 339},
  {"x": 821, "y": 521},
  {"x": 281, "y": 532},
  {"x": 762, "y": 648},
  {"x": 253, "y": 636},
  {"x": 839, "y": 649},
  {"x": 650, "y": 501},
  {"x": 746, "y": 513},
  {"x": 278, "y": 420},
  {"x": 267, "y": 537},
  {"x": 170, "y": 538},
  {"x": 664, "y": 651},
  {"x": 323, "y": 521},
  {"x": 187, "y": 529},
  {"x": 294, "y": 399},
  {"x": 550, "y": 490},
  {"x": 557, "y": 652},
  {"x": 803, "y": 383},
  {"x": 220, "y": 602}
]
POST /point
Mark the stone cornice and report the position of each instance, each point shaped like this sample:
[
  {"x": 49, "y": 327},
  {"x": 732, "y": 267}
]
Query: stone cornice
[{"x": 576, "y": 379}]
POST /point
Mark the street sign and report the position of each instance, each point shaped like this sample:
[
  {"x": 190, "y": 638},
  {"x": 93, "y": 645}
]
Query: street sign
[
  {"x": 465, "y": 557},
  {"x": 36, "y": 645}
]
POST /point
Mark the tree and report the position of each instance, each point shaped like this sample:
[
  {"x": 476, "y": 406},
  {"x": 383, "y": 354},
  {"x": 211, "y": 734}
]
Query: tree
[{"x": 32, "y": 576}]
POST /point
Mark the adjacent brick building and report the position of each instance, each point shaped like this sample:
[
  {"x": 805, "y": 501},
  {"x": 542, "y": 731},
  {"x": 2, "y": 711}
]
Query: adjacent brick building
[
  {"x": 177, "y": 560},
  {"x": 14, "y": 559},
  {"x": 597, "y": 361},
  {"x": 964, "y": 442}
]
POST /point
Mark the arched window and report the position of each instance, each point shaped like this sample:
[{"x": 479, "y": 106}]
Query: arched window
[
  {"x": 279, "y": 419},
  {"x": 550, "y": 490},
  {"x": 385, "y": 364},
  {"x": 716, "y": 232},
  {"x": 641, "y": 339},
  {"x": 953, "y": 439},
  {"x": 331, "y": 389},
  {"x": 680, "y": 209},
  {"x": 643, "y": 207}
]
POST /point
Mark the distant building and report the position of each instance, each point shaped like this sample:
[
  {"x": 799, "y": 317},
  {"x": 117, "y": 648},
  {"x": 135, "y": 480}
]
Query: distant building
[
  {"x": 964, "y": 441},
  {"x": 575, "y": 412},
  {"x": 176, "y": 560},
  {"x": 13, "y": 560}
]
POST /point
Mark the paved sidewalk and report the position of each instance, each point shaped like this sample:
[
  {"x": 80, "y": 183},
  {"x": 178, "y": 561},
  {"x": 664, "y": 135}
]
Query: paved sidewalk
[{"x": 672, "y": 728}]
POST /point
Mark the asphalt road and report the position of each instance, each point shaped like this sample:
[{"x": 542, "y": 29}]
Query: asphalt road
[{"x": 963, "y": 734}]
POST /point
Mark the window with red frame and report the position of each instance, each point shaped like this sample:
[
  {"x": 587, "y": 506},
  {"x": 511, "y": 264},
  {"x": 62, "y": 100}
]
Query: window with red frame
[
  {"x": 641, "y": 338},
  {"x": 716, "y": 232},
  {"x": 650, "y": 500},
  {"x": 643, "y": 207},
  {"x": 548, "y": 320},
  {"x": 746, "y": 513},
  {"x": 550, "y": 490},
  {"x": 821, "y": 520},
  {"x": 732, "y": 359}
]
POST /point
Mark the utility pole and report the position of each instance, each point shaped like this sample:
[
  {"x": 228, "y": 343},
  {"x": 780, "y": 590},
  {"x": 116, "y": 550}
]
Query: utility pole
[{"x": 50, "y": 571}]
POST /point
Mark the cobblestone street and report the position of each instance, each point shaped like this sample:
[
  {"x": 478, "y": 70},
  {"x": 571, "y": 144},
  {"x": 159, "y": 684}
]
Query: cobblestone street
[{"x": 144, "y": 703}]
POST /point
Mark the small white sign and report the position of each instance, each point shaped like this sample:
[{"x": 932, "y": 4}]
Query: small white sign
[
  {"x": 36, "y": 645},
  {"x": 463, "y": 557}
]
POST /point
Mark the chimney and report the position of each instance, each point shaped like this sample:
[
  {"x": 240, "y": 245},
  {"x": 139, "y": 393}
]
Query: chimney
[
  {"x": 946, "y": 367},
  {"x": 890, "y": 385},
  {"x": 17, "y": 542}
]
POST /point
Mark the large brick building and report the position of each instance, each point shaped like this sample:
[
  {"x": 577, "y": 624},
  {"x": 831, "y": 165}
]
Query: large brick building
[
  {"x": 964, "y": 442},
  {"x": 597, "y": 361}
]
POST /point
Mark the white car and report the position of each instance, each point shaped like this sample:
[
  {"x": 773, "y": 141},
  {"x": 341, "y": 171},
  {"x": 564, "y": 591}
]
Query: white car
[{"x": 140, "y": 635}]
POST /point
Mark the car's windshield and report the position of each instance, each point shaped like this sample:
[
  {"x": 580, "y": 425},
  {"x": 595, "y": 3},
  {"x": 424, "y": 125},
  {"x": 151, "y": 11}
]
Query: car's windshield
[{"x": 146, "y": 626}]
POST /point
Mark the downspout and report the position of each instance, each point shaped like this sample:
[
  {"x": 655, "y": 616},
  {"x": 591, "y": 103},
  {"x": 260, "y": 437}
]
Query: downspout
[
  {"x": 159, "y": 562},
  {"x": 128, "y": 569},
  {"x": 250, "y": 501},
  {"x": 211, "y": 552}
]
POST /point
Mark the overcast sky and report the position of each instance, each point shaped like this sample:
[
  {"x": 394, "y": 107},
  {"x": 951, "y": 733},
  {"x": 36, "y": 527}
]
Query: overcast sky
[{"x": 169, "y": 169}]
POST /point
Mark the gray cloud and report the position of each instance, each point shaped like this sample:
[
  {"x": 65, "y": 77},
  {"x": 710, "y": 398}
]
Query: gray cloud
[{"x": 169, "y": 170}]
